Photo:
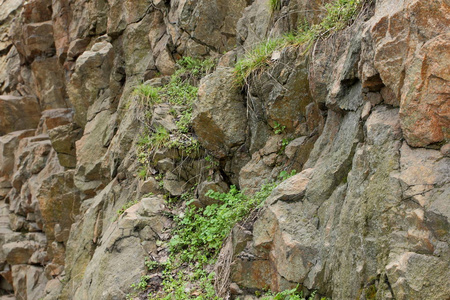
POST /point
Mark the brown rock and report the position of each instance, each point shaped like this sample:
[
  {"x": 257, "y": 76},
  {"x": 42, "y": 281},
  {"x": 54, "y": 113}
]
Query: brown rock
[
  {"x": 19, "y": 252},
  {"x": 162, "y": 117},
  {"x": 36, "y": 11},
  {"x": 92, "y": 72},
  {"x": 49, "y": 83},
  {"x": 213, "y": 23},
  {"x": 77, "y": 47},
  {"x": 8, "y": 145},
  {"x": 59, "y": 202},
  {"x": 38, "y": 39},
  {"x": 150, "y": 185},
  {"x": 18, "y": 113},
  {"x": 445, "y": 150},
  {"x": 53, "y": 118}
]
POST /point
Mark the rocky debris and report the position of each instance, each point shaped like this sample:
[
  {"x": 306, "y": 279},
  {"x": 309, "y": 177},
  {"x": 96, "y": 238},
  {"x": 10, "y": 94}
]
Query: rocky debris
[{"x": 219, "y": 117}]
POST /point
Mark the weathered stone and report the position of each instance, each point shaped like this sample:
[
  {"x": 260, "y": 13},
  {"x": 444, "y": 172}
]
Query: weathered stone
[
  {"x": 213, "y": 24},
  {"x": 174, "y": 184},
  {"x": 77, "y": 47},
  {"x": 53, "y": 118},
  {"x": 219, "y": 114},
  {"x": 150, "y": 185},
  {"x": 292, "y": 189},
  {"x": 29, "y": 282},
  {"x": 138, "y": 54},
  {"x": 162, "y": 117},
  {"x": 254, "y": 24},
  {"x": 38, "y": 40},
  {"x": 36, "y": 11},
  {"x": 415, "y": 65},
  {"x": 49, "y": 82},
  {"x": 18, "y": 113},
  {"x": 8, "y": 7},
  {"x": 336, "y": 156},
  {"x": 425, "y": 106},
  {"x": 59, "y": 201},
  {"x": 19, "y": 252},
  {"x": 63, "y": 141},
  {"x": 92, "y": 72},
  {"x": 8, "y": 145}
]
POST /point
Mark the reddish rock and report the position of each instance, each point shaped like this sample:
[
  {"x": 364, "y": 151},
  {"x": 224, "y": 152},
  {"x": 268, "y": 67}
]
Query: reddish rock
[
  {"x": 425, "y": 102},
  {"x": 412, "y": 56},
  {"x": 53, "y": 118}
]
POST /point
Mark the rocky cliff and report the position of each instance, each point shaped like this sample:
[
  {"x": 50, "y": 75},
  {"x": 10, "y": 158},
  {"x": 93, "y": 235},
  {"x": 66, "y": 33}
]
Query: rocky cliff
[{"x": 116, "y": 117}]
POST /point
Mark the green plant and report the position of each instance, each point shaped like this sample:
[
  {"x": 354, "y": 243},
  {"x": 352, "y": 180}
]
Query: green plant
[
  {"x": 142, "y": 284},
  {"x": 275, "y": 5},
  {"x": 278, "y": 128},
  {"x": 293, "y": 294},
  {"x": 198, "y": 237},
  {"x": 159, "y": 138},
  {"x": 151, "y": 264},
  {"x": 148, "y": 94},
  {"x": 337, "y": 15},
  {"x": 255, "y": 59},
  {"x": 196, "y": 66}
]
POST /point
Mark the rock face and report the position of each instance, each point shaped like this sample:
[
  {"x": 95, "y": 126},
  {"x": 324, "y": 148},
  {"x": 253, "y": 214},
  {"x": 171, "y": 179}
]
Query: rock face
[{"x": 362, "y": 116}]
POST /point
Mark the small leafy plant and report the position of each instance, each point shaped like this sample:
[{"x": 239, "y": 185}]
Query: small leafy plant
[
  {"x": 278, "y": 128},
  {"x": 198, "y": 237}
]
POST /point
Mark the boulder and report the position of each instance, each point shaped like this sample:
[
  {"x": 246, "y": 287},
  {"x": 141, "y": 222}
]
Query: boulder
[
  {"x": 212, "y": 23},
  {"x": 92, "y": 72},
  {"x": 219, "y": 117},
  {"x": 59, "y": 202},
  {"x": 50, "y": 84},
  {"x": 38, "y": 40}
]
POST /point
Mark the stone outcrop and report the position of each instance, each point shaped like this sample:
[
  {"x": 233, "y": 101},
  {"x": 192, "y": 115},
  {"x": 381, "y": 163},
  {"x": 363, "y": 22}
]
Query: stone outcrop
[{"x": 362, "y": 116}]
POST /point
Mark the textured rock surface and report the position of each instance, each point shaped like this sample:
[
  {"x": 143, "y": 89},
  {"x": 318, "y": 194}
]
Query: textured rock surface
[
  {"x": 363, "y": 117},
  {"x": 219, "y": 117}
]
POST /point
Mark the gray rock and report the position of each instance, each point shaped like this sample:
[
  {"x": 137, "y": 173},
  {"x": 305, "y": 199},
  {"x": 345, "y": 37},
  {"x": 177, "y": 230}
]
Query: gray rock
[{"x": 219, "y": 117}]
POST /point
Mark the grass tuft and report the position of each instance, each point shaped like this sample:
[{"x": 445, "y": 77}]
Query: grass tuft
[{"x": 339, "y": 14}]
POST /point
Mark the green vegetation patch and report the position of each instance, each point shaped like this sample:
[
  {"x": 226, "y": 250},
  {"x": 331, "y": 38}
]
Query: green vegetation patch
[
  {"x": 197, "y": 240},
  {"x": 180, "y": 93},
  {"x": 339, "y": 14}
]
